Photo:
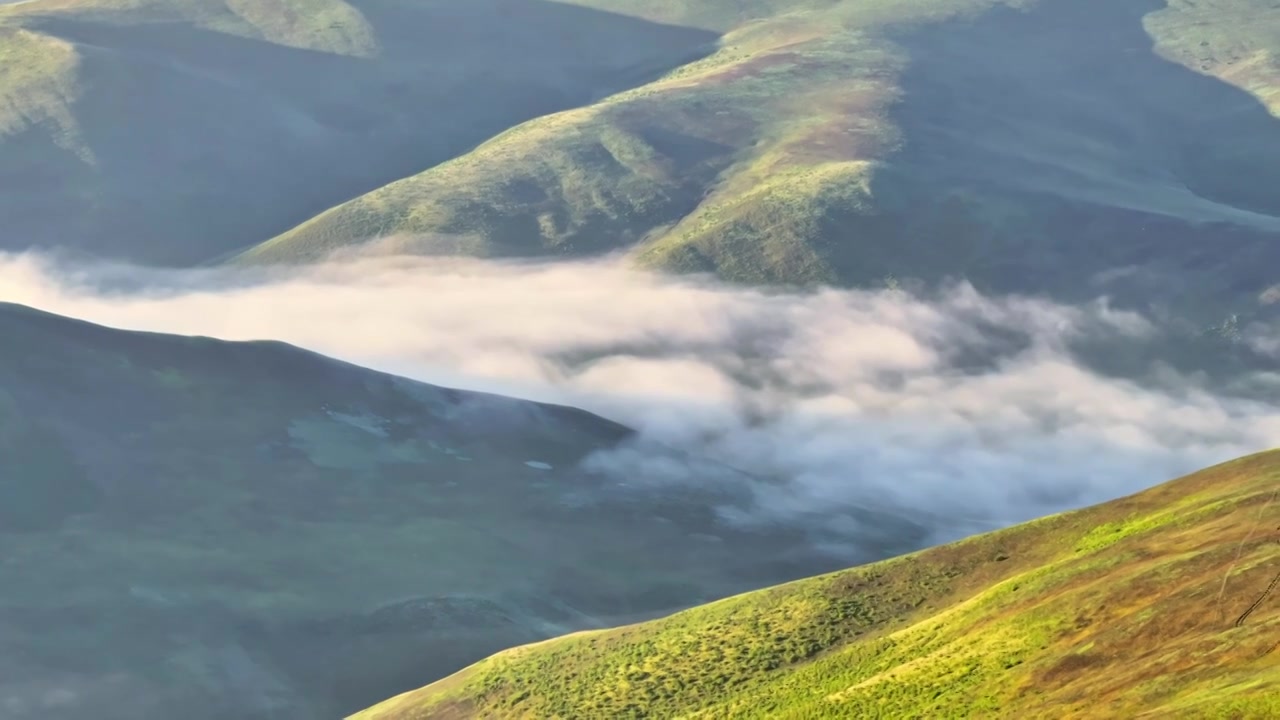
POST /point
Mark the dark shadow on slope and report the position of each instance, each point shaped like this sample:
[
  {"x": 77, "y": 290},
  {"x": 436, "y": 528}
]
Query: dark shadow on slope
[
  {"x": 206, "y": 142},
  {"x": 1051, "y": 151},
  {"x": 270, "y": 534}
]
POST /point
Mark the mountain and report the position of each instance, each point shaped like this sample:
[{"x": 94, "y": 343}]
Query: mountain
[
  {"x": 202, "y": 529},
  {"x": 1064, "y": 147},
  {"x": 1161, "y": 604},
  {"x": 176, "y": 131}
]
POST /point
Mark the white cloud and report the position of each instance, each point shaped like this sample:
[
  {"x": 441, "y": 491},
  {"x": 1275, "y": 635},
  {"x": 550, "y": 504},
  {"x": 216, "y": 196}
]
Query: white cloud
[{"x": 956, "y": 406}]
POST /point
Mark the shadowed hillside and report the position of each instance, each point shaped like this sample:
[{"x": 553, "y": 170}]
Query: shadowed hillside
[
  {"x": 1060, "y": 146},
  {"x": 174, "y": 131},
  {"x": 201, "y": 529},
  {"x": 1075, "y": 160},
  {"x": 1162, "y": 604}
]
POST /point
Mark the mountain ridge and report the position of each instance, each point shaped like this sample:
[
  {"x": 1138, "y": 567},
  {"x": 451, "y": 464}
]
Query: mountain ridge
[
  {"x": 246, "y": 118},
  {"x": 1066, "y": 149},
  {"x": 843, "y": 143}
]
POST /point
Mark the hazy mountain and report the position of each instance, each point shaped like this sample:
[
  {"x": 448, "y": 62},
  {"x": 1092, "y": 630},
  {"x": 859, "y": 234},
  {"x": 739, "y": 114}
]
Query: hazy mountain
[{"x": 203, "y": 529}]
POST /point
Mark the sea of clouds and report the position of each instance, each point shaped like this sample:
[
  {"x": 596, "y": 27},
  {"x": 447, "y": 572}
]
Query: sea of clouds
[{"x": 969, "y": 411}]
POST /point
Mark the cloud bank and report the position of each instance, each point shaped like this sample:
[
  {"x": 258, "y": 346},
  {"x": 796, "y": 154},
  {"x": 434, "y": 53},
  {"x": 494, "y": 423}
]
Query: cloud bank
[{"x": 967, "y": 410}]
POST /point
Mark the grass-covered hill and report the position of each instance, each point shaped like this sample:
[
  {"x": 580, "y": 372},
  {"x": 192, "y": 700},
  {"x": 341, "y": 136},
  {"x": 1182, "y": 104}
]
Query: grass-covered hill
[
  {"x": 174, "y": 131},
  {"x": 1163, "y": 604},
  {"x": 1073, "y": 147},
  {"x": 209, "y": 530}
]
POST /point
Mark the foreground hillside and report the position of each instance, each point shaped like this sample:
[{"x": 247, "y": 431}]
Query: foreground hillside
[
  {"x": 209, "y": 530},
  {"x": 1068, "y": 147},
  {"x": 1162, "y": 604}
]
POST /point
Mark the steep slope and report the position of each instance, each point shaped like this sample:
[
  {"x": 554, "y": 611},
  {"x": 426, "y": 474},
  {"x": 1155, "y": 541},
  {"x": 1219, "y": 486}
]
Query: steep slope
[
  {"x": 1162, "y": 604},
  {"x": 1065, "y": 146},
  {"x": 201, "y": 529},
  {"x": 174, "y": 131}
]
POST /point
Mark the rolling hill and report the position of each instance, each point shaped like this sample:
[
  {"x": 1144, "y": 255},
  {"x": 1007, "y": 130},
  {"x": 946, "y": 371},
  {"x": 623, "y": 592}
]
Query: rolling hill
[
  {"x": 1066, "y": 147},
  {"x": 175, "y": 131},
  {"x": 203, "y": 529},
  {"x": 1162, "y": 604}
]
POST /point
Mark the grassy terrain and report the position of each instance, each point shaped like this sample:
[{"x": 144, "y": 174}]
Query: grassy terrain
[
  {"x": 174, "y": 131},
  {"x": 1072, "y": 147},
  {"x": 1068, "y": 147},
  {"x": 194, "y": 528},
  {"x": 1155, "y": 605}
]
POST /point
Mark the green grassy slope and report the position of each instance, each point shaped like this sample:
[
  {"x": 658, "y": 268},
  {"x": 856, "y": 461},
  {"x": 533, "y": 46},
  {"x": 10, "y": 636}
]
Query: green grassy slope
[
  {"x": 1037, "y": 144},
  {"x": 194, "y": 528},
  {"x": 175, "y": 131},
  {"x": 1161, "y": 604}
]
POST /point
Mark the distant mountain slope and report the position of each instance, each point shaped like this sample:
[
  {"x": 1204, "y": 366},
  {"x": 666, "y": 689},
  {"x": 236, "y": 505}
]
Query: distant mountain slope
[
  {"x": 201, "y": 529},
  {"x": 174, "y": 131},
  {"x": 1072, "y": 147},
  {"x": 1162, "y": 604}
]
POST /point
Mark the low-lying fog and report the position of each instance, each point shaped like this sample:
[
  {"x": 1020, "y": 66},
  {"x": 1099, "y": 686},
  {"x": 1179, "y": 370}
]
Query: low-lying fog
[{"x": 970, "y": 410}]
